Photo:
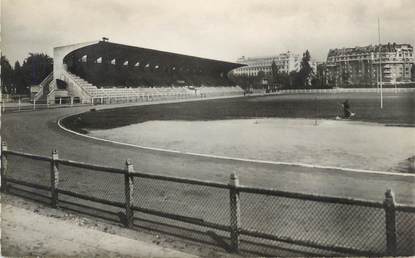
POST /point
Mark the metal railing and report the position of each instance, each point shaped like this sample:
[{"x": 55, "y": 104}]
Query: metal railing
[
  {"x": 43, "y": 84},
  {"x": 52, "y": 88},
  {"x": 340, "y": 225},
  {"x": 345, "y": 90}
]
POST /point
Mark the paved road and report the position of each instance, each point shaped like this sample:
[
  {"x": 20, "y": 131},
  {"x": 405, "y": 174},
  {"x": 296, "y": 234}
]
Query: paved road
[{"x": 37, "y": 132}]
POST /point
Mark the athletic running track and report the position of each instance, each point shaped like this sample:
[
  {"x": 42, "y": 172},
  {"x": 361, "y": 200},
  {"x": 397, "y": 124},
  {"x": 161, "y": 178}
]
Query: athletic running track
[{"x": 37, "y": 132}]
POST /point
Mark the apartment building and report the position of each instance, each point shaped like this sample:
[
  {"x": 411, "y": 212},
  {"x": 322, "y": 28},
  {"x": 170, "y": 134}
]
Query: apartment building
[
  {"x": 363, "y": 66},
  {"x": 286, "y": 62}
]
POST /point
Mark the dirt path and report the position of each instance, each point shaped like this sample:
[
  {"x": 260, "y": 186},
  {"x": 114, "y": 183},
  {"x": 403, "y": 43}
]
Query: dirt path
[{"x": 28, "y": 233}]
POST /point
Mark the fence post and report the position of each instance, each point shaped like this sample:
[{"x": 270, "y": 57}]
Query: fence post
[
  {"x": 54, "y": 178},
  {"x": 129, "y": 190},
  {"x": 234, "y": 211},
  {"x": 3, "y": 167},
  {"x": 390, "y": 222}
]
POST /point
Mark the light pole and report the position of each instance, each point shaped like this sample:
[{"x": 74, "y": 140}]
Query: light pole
[{"x": 380, "y": 68}]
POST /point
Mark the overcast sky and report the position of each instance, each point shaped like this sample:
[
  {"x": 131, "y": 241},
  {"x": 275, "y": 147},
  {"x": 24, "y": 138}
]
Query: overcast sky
[{"x": 218, "y": 29}]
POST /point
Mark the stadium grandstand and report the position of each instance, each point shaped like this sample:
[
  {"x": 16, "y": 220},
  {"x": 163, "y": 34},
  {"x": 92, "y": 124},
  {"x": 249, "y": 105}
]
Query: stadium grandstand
[{"x": 103, "y": 72}]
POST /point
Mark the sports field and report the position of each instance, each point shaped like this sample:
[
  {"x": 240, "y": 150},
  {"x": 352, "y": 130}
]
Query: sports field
[
  {"x": 398, "y": 110},
  {"x": 345, "y": 144},
  {"x": 263, "y": 128},
  {"x": 206, "y": 204}
]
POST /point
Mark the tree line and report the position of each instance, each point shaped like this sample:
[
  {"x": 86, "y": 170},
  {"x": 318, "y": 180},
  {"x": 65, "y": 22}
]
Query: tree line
[
  {"x": 19, "y": 78},
  {"x": 305, "y": 77}
]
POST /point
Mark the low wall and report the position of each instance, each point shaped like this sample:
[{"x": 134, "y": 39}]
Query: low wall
[{"x": 347, "y": 90}]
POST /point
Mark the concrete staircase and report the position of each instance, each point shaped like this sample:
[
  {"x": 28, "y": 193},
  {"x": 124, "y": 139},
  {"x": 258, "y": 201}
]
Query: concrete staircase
[
  {"x": 41, "y": 96},
  {"x": 79, "y": 88}
]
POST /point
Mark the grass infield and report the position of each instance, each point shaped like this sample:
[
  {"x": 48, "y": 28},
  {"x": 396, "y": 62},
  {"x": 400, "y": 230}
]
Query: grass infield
[{"x": 398, "y": 110}]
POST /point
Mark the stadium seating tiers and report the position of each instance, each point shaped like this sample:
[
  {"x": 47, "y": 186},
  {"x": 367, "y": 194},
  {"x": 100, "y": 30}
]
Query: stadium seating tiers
[
  {"x": 105, "y": 72},
  {"x": 116, "y": 94}
]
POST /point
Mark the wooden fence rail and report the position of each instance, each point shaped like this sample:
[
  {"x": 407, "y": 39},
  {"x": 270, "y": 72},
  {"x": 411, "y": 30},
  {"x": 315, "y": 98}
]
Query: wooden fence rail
[{"x": 234, "y": 227}]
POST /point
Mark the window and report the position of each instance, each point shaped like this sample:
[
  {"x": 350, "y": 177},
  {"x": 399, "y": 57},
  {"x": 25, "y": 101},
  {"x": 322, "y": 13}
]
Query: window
[
  {"x": 99, "y": 60},
  {"x": 84, "y": 58},
  {"x": 125, "y": 63},
  {"x": 113, "y": 62},
  {"x": 137, "y": 64}
]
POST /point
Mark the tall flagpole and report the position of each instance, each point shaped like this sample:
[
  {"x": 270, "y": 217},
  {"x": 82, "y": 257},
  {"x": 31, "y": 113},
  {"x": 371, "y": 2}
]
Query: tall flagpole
[{"x": 380, "y": 68}]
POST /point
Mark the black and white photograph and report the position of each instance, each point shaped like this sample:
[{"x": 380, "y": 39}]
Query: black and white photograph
[{"x": 222, "y": 128}]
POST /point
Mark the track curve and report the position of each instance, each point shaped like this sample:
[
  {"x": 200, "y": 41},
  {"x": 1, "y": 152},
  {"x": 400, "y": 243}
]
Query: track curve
[{"x": 38, "y": 132}]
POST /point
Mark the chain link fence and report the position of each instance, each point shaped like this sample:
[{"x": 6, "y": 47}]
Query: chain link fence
[
  {"x": 102, "y": 185},
  {"x": 405, "y": 231},
  {"x": 78, "y": 185},
  {"x": 192, "y": 211},
  {"x": 327, "y": 224},
  {"x": 197, "y": 202},
  {"x": 251, "y": 220},
  {"x": 23, "y": 174},
  {"x": 32, "y": 171}
]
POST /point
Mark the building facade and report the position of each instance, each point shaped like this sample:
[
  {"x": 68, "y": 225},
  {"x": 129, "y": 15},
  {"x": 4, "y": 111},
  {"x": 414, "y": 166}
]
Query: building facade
[
  {"x": 286, "y": 62},
  {"x": 363, "y": 66}
]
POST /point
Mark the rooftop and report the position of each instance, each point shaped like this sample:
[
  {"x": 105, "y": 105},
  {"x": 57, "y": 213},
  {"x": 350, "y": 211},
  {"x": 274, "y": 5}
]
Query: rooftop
[{"x": 389, "y": 47}]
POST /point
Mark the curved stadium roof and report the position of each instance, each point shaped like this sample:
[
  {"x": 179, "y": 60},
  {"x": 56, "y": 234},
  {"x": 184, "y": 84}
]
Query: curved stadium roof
[{"x": 109, "y": 64}]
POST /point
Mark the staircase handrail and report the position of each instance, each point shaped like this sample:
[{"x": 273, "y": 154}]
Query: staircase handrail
[
  {"x": 52, "y": 87},
  {"x": 39, "y": 94},
  {"x": 45, "y": 81}
]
